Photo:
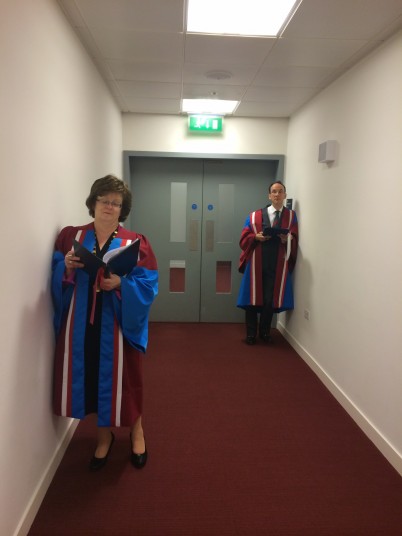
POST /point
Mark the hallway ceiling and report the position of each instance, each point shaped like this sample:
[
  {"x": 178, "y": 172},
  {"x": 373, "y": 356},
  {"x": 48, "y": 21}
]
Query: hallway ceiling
[{"x": 150, "y": 63}]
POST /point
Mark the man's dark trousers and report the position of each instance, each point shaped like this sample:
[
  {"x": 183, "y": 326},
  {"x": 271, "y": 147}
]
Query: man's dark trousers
[{"x": 269, "y": 259}]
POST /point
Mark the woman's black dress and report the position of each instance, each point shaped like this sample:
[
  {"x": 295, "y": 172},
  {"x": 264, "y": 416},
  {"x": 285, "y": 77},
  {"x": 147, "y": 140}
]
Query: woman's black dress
[{"x": 92, "y": 340}]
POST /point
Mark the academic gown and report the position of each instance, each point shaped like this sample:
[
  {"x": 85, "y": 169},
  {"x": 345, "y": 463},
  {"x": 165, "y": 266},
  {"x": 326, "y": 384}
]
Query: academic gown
[
  {"x": 250, "y": 264},
  {"x": 122, "y": 317}
]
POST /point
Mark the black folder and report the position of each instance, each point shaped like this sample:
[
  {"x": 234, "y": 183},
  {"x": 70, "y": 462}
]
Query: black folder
[
  {"x": 119, "y": 261},
  {"x": 274, "y": 231}
]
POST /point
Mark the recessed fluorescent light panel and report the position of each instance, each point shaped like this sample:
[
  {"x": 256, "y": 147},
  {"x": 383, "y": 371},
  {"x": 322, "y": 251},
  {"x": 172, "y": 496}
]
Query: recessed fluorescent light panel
[
  {"x": 208, "y": 106},
  {"x": 240, "y": 17}
]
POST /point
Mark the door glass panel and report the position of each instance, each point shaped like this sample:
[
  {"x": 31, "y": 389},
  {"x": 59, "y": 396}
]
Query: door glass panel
[
  {"x": 225, "y": 213},
  {"x": 177, "y": 276},
  {"x": 178, "y": 211},
  {"x": 223, "y": 277}
]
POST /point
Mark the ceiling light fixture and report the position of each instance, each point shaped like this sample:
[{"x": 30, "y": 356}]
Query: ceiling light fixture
[
  {"x": 237, "y": 17},
  {"x": 208, "y": 106}
]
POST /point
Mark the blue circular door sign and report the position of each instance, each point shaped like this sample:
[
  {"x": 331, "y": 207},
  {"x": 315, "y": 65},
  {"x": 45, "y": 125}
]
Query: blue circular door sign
[
  {"x": 194, "y": 206},
  {"x": 210, "y": 207}
]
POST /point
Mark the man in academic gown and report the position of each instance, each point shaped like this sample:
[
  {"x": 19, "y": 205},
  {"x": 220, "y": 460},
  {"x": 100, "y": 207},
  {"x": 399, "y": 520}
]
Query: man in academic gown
[{"x": 267, "y": 261}]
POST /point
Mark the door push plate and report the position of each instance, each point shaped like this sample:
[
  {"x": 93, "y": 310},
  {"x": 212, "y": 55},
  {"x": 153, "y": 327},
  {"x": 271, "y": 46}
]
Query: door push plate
[
  {"x": 193, "y": 236},
  {"x": 209, "y": 235}
]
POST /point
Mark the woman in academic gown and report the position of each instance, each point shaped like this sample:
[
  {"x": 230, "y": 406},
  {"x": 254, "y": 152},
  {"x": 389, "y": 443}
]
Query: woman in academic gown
[{"x": 101, "y": 324}]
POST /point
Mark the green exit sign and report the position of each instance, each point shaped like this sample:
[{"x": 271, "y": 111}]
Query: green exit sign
[{"x": 205, "y": 123}]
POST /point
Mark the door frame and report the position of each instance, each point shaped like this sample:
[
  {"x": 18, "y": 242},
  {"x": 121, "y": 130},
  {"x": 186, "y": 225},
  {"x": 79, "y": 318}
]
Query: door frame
[{"x": 129, "y": 156}]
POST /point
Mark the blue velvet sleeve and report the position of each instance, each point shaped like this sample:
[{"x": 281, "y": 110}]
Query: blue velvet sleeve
[{"x": 138, "y": 291}]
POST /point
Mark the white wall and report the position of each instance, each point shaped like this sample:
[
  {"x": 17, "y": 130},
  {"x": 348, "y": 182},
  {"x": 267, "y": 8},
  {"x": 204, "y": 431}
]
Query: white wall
[
  {"x": 169, "y": 134},
  {"x": 60, "y": 130},
  {"x": 349, "y": 274}
]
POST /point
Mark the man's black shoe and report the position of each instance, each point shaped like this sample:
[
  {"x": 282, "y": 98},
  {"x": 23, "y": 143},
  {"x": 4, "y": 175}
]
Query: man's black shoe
[
  {"x": 250, "y": 340},
  {"x": 266, "y": 337}
]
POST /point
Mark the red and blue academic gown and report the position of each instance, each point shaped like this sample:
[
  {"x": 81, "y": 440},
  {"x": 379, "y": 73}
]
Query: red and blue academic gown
[
  {"x": 250, "y": 264},
  {"x": 119, "y": 332}
]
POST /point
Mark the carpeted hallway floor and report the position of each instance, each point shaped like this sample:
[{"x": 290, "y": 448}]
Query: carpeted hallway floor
[{"x": 243, "y": 441}]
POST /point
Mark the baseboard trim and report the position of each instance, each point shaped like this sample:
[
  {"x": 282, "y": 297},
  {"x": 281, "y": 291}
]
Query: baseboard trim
[
  {"x": 384, "y": 446},
  {"x": 44, "y": 483}
]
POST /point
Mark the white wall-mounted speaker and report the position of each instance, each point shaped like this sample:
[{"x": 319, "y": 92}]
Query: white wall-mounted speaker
[{"x": 327, "y": 151}]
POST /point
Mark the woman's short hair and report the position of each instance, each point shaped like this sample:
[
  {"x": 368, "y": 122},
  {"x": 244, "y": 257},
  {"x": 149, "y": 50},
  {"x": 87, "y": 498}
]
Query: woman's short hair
[{"x": 107, "y": 185}]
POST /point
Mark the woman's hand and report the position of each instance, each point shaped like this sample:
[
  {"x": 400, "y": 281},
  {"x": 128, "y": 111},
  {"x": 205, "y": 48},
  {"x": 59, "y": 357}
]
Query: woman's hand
[
  {"x": 110, "y": 283},
  {"x": 72, "y": 262}
]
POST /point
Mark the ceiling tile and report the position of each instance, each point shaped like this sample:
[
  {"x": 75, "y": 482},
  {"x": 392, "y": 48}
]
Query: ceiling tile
[
  {"x": 242, "y": 74},
  {"x": 249, "y": 50},
  {"x": 213, "y": 91},
  {"x": 73, "y": 13},
  {"x": 139, "y": 46},
  {"x": 152, "y": 106},
  {"x": 148, "y": 15},
  {"x": 342, "y": 19},
  {"x": 313, "y": 52},
  {"x": 292, "y": 76},
  {"x": 146, "y": 71},
  {"x": 288, "y": 95},
  {"x": 263, "y": 109},
  {"x": 150, "y": 90}
]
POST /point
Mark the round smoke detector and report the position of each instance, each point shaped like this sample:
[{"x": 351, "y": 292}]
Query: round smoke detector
[{"x": 218, "y": 75}]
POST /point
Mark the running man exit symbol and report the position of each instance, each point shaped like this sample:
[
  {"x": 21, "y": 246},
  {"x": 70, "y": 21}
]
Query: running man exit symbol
[{"x": 205, "y": 123}]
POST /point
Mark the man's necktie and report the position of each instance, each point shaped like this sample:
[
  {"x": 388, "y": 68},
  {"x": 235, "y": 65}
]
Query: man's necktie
[{"x": 276, "y": 219}]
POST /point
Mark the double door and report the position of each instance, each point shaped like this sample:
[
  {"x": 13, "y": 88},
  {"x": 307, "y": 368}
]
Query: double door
[{"x": 192, "y": 210}]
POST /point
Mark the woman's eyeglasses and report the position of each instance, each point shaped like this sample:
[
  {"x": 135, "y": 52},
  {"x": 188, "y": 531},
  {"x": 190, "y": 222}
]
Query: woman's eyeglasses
[{"x": 107, "y": 203}]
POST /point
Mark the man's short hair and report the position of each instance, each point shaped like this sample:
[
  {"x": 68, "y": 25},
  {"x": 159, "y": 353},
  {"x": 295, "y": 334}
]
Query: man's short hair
[{"x": 276, "y": 182}]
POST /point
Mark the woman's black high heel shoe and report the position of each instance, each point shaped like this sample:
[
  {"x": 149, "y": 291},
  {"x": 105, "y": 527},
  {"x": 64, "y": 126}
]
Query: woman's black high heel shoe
[
  {"x": 138, "y": 460},
  {"x": 98, "y": 463}
]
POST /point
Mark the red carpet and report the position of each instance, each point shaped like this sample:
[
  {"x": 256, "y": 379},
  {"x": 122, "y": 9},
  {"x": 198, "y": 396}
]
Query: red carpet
[{"x": 243, "y": 441}]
